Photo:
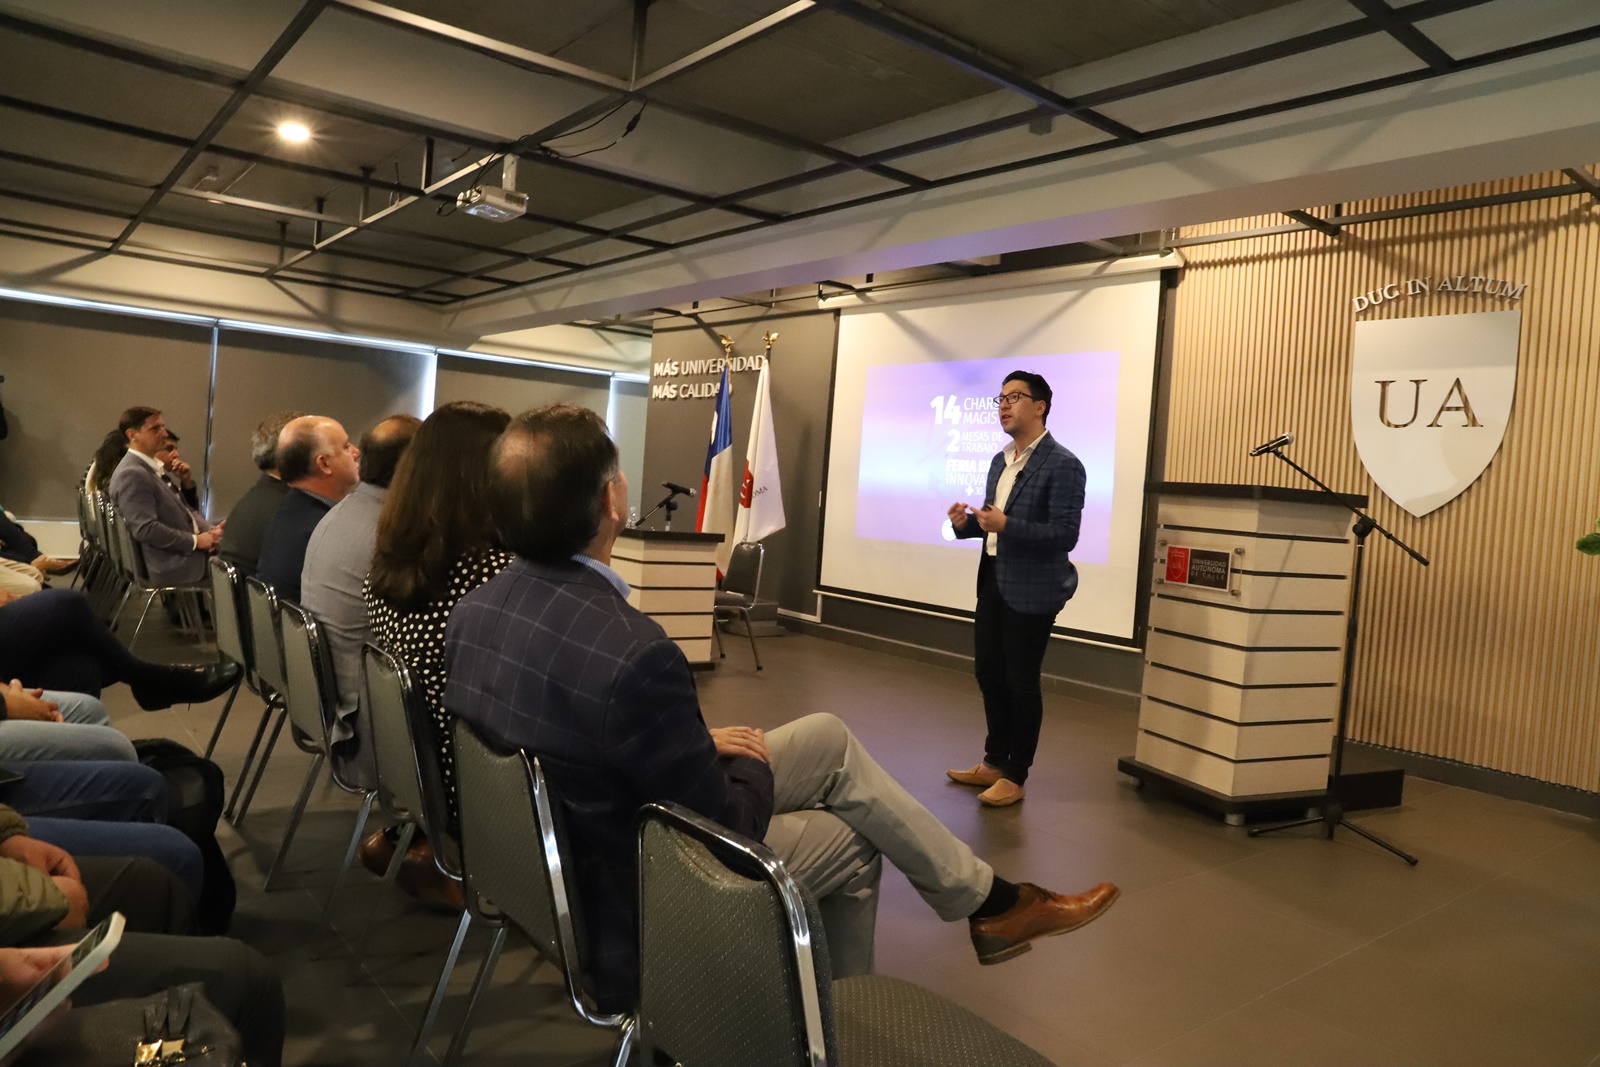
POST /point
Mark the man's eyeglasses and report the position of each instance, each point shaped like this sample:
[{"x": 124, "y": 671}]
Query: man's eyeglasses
[{"x": 1012, "y": 398}]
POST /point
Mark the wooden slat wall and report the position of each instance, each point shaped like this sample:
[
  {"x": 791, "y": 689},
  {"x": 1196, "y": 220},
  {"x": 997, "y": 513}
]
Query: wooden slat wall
[{"x": 1491, "y": 656}]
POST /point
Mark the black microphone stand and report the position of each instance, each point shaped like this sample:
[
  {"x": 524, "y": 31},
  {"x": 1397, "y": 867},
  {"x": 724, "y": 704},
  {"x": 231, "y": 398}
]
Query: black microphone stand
[
  {"x": 669, "y": 504},
  {"x": 1333, "y": 811}
]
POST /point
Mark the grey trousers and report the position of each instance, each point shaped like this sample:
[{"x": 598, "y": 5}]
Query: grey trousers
[{"x": 838, "y": 815}]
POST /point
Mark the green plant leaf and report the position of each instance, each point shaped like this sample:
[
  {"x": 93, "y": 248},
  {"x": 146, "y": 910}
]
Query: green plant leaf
[{"x": 1589, "y": 544}]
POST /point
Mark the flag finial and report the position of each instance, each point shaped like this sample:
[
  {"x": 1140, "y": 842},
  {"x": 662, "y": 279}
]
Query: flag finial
[{"x": 727, "y": 344}]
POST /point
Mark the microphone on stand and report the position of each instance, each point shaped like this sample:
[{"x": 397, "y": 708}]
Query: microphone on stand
[
  {"x": 1273, "y": 445},
  {"x": 676, "y": 488}
]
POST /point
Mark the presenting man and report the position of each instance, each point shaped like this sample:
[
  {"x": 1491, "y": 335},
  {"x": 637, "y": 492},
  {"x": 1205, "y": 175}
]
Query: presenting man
[
  {"x": 548, "y": 656},
  {"x": 173, "y": 540},
  {"x": 1029, "y": 522}
]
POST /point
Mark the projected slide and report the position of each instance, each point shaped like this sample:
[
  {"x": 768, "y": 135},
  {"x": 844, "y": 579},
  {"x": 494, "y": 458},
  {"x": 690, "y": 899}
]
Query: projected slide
[
  {"x": 929, "y": 431},
  {"x": 915, "y": 426}
]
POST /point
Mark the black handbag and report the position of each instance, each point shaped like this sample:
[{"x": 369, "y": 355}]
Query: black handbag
[{"x": 178, "y": 1026}]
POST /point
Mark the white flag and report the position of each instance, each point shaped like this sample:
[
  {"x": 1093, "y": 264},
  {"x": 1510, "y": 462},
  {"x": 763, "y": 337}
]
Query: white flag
[{"x": 761, "y": 494}]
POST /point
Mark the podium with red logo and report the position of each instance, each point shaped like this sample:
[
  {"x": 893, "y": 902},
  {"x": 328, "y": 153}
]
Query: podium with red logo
[{"x": 1243, "y": 656}]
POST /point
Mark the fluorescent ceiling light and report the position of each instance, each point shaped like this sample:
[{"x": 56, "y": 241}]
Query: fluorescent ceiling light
[{"x": 99, "y": 305}]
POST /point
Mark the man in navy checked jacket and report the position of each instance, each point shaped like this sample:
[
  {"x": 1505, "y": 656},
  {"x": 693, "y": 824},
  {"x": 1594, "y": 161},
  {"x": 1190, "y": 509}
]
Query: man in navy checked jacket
[
  {"x": 548, "y": 656},
  {"x": 1029, "y": 522}
]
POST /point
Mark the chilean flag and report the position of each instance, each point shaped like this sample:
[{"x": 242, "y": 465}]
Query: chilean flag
[{"x": 716, "y": 486}]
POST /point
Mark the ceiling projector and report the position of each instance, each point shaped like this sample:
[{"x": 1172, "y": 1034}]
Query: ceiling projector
[{"x": 493, "y": 202}]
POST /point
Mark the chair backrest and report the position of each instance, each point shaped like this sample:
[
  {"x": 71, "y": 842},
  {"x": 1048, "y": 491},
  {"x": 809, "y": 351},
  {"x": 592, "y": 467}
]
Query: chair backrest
[
  {"x": 306, "y": 674},
  {"x": 225, "y": 611},
  {"x": 743, "y": 576},
  {"x": 101, "y": 517},
  {"x": 131, "y": 559},
  {"x": 386, "y": 690},
  {"x": 505, "y": 804},
  {"x": 750, "y": 986},
  {"x": 266, "y": 644}
]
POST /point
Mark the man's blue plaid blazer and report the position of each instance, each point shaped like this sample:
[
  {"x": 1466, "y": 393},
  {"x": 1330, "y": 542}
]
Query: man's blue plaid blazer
[
  {"x": 1033, "y": 570},
  {"x": 551, "y": 659}
]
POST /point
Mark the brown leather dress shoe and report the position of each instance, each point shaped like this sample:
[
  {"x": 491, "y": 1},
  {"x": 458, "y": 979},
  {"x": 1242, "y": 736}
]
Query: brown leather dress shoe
[
  {"x": 376, "y": 851},
  {"x": 1037, "y": 913},
  {"x": 979, "y": 774},
  {"x": 1002, "y": 793}
]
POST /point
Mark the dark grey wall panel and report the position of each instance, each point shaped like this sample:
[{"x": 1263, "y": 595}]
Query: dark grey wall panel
[
  {"x": 630, "y": 410},
  {"x": 802, "y": 376},
  {"x": 69, "y": 374},
  {"x": 258, "y": 374},
  {"x": 517, "y": 388}
]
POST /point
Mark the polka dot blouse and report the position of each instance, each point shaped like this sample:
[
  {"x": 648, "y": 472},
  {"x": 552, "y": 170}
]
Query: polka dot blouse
[{"x": 416, "y": 638}]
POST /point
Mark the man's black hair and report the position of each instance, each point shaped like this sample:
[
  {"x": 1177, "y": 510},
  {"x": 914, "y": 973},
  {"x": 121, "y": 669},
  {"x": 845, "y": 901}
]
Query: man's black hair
[{"x": 1036, "y": 385}]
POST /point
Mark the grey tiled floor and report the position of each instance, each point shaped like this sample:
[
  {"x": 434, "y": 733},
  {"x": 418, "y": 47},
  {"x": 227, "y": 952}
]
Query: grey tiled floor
[{"x": 1224, "y": 949}]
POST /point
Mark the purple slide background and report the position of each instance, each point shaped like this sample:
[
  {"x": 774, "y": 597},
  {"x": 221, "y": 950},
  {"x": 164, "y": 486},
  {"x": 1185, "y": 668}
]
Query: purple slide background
[{"x": 913, "y": 467}]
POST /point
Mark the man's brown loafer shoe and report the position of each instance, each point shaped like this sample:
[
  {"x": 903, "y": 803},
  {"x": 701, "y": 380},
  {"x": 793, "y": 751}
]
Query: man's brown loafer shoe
[
  {"x": 981, "y": 774},
  {"x": 1002, "y": 793},
  {"x": 1037, "y": 913}
]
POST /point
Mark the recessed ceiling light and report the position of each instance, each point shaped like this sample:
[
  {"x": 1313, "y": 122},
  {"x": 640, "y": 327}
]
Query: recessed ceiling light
[{"x": 294, "y": 131}]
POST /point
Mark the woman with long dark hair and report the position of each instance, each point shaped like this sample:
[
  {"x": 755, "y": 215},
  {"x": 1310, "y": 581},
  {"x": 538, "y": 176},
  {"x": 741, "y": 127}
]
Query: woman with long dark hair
[{"x": 436, "y": 543}]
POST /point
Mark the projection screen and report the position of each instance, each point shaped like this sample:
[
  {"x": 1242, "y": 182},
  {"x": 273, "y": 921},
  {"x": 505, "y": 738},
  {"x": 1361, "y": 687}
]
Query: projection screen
[{"x": 915, "y": 425}]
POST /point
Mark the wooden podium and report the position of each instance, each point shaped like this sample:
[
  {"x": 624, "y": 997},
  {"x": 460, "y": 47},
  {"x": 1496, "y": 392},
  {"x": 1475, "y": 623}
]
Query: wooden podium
[
  {"x": 674, "y": 580},
  {"x": 1245, "y": 645}
]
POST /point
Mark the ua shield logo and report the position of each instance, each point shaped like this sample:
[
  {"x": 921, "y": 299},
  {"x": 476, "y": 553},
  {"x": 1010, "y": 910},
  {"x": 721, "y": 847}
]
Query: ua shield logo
[{"x": 1429, "y": 401}]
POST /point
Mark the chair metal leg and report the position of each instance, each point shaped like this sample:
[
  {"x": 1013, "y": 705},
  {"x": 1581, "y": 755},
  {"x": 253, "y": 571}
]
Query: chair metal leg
[
  {"x": 249, "y": 758},
  {"x": 419, "y": 1048},
  {"x": 261, "y": 767},
  {"x": 750, "y": 631},
  {"x": 127, "y": 591},
  {"x": 349, "y": 852},
  {"x": 148, "y": 600},
  {"x": 216, "y": 731},
  {"x": 294, "y": 820},
  {"x": 716, "y": 635},
  {"x": 389, "y": 876},
  {"x": 625, "y": 1044},
  {"x": 458, "y": 1044}
]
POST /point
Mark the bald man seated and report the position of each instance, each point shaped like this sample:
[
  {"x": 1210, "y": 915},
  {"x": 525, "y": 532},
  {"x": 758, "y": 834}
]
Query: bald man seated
[{"x": 320, "y": 465}]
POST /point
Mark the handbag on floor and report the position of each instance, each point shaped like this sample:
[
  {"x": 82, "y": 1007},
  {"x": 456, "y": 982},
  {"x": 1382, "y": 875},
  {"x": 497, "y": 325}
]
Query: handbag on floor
[
  {"x": 195, "y": 796},
  {"x": 176, "y": 1026}
]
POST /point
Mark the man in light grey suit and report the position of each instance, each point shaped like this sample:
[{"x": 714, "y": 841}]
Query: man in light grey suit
[
  {"x": 173, "y": 539},
  {"x": 338, "y": 558}
]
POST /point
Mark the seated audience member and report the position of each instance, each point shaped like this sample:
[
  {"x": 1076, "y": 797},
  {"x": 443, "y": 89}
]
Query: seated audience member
[
  {"x": 19, "y": 579},
  {"x": 106, "y": 457},
  {"x": 49, "y": 897},
  {"x": 435, "y": 544},
  {"x": 38, "y": 724},
  {"x": 320, "y": 466},
  {"x": 250, "y": 517},
  {"x": 177, "y": 474},
  {"x": 53, "y": 640},
  {"x": 337, "y": 560},
  {"x": 18, "y": 546},
  {"x": 173, "y": 540},
  {"x": 549, "y": 656}
]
